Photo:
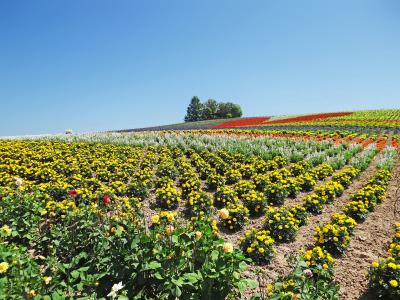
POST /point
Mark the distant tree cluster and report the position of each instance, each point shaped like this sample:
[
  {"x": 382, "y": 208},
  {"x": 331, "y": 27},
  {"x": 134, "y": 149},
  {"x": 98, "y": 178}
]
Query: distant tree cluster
[{"x": 211, "y": 109}]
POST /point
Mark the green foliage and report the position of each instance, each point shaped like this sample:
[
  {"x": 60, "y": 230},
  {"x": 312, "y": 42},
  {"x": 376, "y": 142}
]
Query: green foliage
[
  {"x": 384, "y": 275},
  {"x": 306, "y": 281},
  {"x": 194, "y": 111},
  {"x": 89, "y": 251},
  {"x": 22, "y": 278},
  {"x": 211, "y": 109}
]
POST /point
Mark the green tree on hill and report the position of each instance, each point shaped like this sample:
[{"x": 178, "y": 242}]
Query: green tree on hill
[
  {"x": 229, "y": 110},
  {"x": 211, "y": 109},
  {"x": 194, "y": 111}
]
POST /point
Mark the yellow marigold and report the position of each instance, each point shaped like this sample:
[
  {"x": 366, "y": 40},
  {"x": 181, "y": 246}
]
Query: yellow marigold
[
  {"x": 393, "y": 283},
  {"x": 171, "y": 217},
  {"x": 155, "y": 219},
  {"x": 375, "y": 264},
  {"x": 392, "y": 265},
  {"x": 5, "y": 231},
  {"x": 3, "y": 267}
]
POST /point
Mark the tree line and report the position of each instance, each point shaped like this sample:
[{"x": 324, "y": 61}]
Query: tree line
[{"x": 211, "y": 109}]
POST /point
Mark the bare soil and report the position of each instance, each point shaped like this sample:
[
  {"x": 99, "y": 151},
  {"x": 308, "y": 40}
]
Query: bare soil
[
  {"x": 370, "y": 242},
  {"x": 304, "y": 239}
]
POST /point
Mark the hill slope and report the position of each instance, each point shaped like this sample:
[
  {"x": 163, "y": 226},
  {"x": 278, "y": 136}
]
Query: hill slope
[{"x": 385, "y": 118}]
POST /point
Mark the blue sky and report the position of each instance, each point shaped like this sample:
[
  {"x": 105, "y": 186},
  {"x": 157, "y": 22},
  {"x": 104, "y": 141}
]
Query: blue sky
[{"x": 99, "y": 65}]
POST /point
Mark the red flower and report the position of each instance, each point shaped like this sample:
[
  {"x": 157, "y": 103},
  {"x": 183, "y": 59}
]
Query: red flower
[
  {"x": 106, "y": 199},
  {"x": 73, "y": 193}
]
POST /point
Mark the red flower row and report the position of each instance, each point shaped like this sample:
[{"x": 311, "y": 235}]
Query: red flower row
[
  {"x": 309, "y": 118},
  {"x": 242, "y": 122}
]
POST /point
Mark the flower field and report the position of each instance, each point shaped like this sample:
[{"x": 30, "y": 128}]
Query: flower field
[
  {"x": 239, "y": 213},
  {"x": 359, "y": 121}
]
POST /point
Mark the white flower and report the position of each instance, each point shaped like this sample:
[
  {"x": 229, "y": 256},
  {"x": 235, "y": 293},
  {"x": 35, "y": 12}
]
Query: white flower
[
  {"x": 308, "y": 273},
  {"x": 115, "y": 288},
  {"x": 18, "y": 181},
  {"x": 228, "y": 247}
]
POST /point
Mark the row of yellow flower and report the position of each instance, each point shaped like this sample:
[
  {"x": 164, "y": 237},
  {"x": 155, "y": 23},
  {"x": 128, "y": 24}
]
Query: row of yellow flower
[
  {"x": 384, "y": 275},
  {"x": 335, "y": 236}
]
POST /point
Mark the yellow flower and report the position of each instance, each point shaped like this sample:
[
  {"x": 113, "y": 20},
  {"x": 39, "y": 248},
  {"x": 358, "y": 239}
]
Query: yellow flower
[
  {"x": 47, "y": 279},
  {"x": 198, "y": 235},
  {"x": 169, "y": 229},
  {"x": 3, "y": 267},
  {"x": 228, "y": 247},
  {"x": 375, "y": 264},
  {"x": 224, "y": 213},
  {"x": 392, "y": 265},
  {"x": 155, "y": 219},
  {"x": 325, "y": 266},
  {"x": 5, "y": 231},
  {"x": 393, "y": 283},
  {"x": 261, "y": 250},
  {"x": 32, "y": 293}
]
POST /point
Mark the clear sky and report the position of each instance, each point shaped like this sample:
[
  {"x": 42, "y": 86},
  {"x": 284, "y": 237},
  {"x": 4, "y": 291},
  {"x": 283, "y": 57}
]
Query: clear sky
[{"x": 96, "y": 65}]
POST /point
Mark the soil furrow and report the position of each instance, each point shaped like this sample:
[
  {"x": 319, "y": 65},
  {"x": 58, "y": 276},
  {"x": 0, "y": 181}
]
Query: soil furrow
[
  {"x": 370, "y": 242},
  {"x": 304, "y": 238}
]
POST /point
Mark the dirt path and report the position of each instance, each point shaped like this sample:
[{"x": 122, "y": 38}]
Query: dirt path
[
  {"x": 370, "y": 241},
  {"x": 304, "y": 239}
]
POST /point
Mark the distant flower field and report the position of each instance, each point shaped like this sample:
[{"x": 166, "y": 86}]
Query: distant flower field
[{"x": 367, "y": 120}]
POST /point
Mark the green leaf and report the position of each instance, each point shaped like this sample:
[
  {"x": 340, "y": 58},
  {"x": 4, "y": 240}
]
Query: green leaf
[
  {"x": 152, "y": 266},
  {"x": 214, "y": 255},
  {"x": 241, "y": 287},
  {"x": 252, "y": 283},
  {"x": 177, "y": 291},
  {"x": 303, "y": 264},
  {"x": 174, "y": 239},
  {"x": 179, "y": 282},
  {"x": 191, "y": 277},
  {"x": 242, "y": 266},
  {"x": 75, "y": 274}
]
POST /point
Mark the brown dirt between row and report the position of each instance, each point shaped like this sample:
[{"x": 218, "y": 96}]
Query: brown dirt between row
[
  {"x": 370, "y": 242},
  {"x": 304, "y": 239}
]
